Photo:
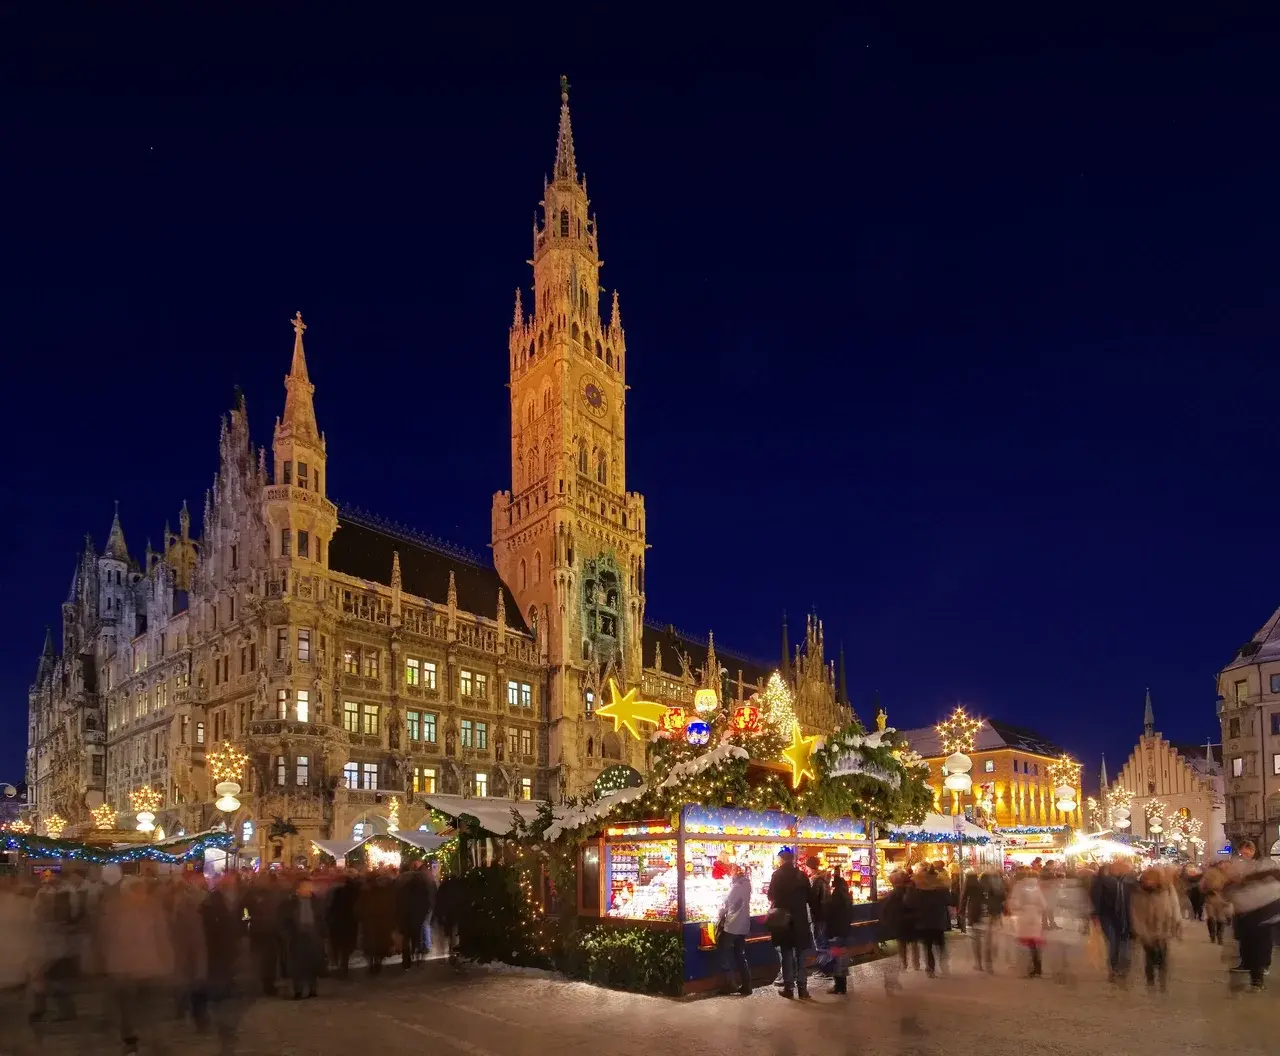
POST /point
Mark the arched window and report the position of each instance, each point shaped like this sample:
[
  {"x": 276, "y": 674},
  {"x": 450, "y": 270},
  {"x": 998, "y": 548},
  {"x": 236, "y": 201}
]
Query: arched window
[
  {"x": 575, "y": 333},
  {"x": 537, "y": 569},
  {"x": 602, "y": 470},
  {"x": 524, "y": 575},
  {"x": 546, "y": 397},
  {"x": 199, "y": 733},
  {"x": 547, "y": 468},
  {"x": 582, "y": 458},
  {"x": 530, "y": 410},
  {"x": 608, "y": 359},
  {"x": 564, "y": 223},
  {"x": 599, "y": 353},
  {"x": 542, "y": 338},
  {"x": 591, "y": 746},
  {"x": 531, "y": 348}
]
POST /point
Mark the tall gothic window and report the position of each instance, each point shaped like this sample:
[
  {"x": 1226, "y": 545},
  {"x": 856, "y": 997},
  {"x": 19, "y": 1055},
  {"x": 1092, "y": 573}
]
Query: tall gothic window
[
  {"x": 602, "y": 469},
  {"x": 564, "y": 223},
  {"x": 582, "y": 458}
]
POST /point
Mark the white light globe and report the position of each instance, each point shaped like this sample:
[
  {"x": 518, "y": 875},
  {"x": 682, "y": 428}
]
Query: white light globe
[
  {"x": 227, "y": 801},
  {"x": 1065, "y": 791},
  {"x": 1122, "y": 823},
  {"x": 958, "y": 782},
  {"x": 958, "y": 763},
  {"x": 1066, "y": 805},
  {"x": 1122, "y": 812}
]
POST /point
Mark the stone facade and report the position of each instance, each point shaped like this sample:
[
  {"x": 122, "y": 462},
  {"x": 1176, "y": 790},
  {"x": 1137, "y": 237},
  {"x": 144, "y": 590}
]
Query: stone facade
[
  {"x": 1249, "y": 713},
  {"x": 356, "y": 661}
]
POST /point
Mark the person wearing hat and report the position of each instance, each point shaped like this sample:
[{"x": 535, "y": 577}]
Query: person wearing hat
[{"x": 790, "y": 899}]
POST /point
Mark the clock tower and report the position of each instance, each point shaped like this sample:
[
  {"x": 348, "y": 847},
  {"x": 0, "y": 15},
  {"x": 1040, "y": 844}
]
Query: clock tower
[{"x": 568, "y": 538}]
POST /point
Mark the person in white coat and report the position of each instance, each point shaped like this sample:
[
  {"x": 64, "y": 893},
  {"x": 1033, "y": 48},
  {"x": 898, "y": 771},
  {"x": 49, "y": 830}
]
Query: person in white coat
[{"x": 1027, "y": 907}]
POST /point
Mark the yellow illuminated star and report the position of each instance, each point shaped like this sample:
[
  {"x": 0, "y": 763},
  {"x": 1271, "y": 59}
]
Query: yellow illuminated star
[
  {"x": 799, "y": 754},
  {"x": 626, "y": 710}
]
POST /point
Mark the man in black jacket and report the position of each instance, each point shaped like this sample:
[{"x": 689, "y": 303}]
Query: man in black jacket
[
  {"x": 1110, "y": 894},
  {"x": 791, "y": 896}
]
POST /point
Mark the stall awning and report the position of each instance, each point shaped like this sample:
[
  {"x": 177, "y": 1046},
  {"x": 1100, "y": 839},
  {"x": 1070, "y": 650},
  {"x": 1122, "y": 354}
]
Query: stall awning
[
  {"x": 947, "y": 827},
  {"x": 338, "y": 849},
  {"x": 424, "y": 841},
  {"x": 494, "y": 815}
]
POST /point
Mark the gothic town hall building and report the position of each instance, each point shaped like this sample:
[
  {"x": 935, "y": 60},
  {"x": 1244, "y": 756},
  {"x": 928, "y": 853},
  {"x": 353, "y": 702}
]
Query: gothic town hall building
[{"x": 356, "y": 662}]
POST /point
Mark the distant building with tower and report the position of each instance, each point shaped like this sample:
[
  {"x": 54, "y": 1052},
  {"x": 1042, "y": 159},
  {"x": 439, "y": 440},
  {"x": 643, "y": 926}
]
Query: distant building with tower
[{"x": 1186, "y": 779}]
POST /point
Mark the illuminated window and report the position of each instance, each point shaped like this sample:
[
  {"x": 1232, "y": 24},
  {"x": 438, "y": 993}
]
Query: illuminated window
[
  {"x": 513, "y": 741},
  {"x": 513, "y": 694},
  {"x": 464, "y": 680},
  {"x": 989, "y": 767},
  {"x": 286, "y": 542},
  {"x": 482, "y": 686},
  {"x": 288, "y": 472},
  {"x": 428, "y": 727},
  {"x": 413, "y": 728},
  {"x": 1242, "y": 690},
  {"x": 351, "y": 775},
  {"x": 199, "y": 733},
  {"x": 303, "y": 769},
  {"x": 351, "y": 661},
  {"x": 304, "y": 645},
  {"x": 302, "y": 474},
  {"x": 370, "y": 724},
  {"x": 526, "y": 788},
  {"x": 427, "y": 780},
  {"x": 369, "y": 776},
  {"x": 428, "y": 675},
  {"x": 304, "y": 543},
  {"x": 1275, "y": 764},
  {"x": 1237, "y": 766},
  {"x": 246, "y": 832},
  {"x": 282, "y": 643},
  {"x": 281, "y": 770},
  {"x": 282, "y": 703},
  {"x": 357, "y": 831},
  {"x": 526, "y": 742},
  {"x": 303, "y": 709},
  {"x": 590, "y": 701},
  {"x": 371, "y": 663},
  {"x": 466, "y": 733},
  {"x": 413, "y": 672},
  {"x": 482, "y": 785},
  {"x": 351, "y": 716},
  {"x": 482, "y": 736},
  {"x": 526, "y": 695}
]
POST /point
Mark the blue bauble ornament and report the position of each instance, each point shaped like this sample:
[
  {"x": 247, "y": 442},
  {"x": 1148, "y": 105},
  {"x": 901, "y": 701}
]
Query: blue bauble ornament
[{"x": 697, "y": 732}]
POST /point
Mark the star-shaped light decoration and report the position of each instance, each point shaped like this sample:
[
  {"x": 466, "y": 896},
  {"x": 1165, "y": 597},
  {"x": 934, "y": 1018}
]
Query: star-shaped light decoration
[
  {"x": 959, "y": 733},
  {"x": 626, "y": 710},
  {"x": 800, "y": 755}
]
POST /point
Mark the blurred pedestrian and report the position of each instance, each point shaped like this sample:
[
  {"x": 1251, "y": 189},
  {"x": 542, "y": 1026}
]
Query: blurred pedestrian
[{"x": 1154, "y": 923}]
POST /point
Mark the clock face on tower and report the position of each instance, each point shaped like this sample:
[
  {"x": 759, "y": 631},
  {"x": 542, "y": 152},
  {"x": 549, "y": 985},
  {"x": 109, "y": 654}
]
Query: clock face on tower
[{"x": 593, "y": 396}]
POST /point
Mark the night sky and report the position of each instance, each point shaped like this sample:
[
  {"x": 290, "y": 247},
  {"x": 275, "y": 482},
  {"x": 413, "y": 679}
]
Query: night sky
[{"x": 962, "y": 333}]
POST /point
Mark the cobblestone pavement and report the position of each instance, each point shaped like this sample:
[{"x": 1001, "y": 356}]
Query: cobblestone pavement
[{"x": 507, "y": 1012}]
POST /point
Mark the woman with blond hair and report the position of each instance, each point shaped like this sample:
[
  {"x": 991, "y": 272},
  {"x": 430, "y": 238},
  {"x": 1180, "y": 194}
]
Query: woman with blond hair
[{"x": 1154, "y": 920}]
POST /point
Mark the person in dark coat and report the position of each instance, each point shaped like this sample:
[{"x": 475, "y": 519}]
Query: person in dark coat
[
  {"x": 304, "y": 946},
  {"x": 929, "y": 901},
  {"x": 413, "y": 903},
  {"x": 448, "y": 915},
  {"x": 1111, "y": 895},
  {"x": 223, "y": 936},
  {"x": 972, "y": 913},
  {"x": 837, "y": 913},
  {"x": 896, "y": 920},
  {"x": 344, "y": 923},
  {"x": 376, "y": 910},
  {"x": 263, "y": 902},
  {"x": 790, "y": 898}
]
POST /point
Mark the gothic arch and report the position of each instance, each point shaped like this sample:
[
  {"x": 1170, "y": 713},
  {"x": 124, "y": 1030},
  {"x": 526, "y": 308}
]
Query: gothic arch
[
  {"x": 537, "y": 569},
  {"x": 575, "y": 333},
  {"x": 610, "y": 746},
  {"x": 564, "y": 223},
  {"x": 524, "y": 575},
  {"x": 582, "y": 456}
]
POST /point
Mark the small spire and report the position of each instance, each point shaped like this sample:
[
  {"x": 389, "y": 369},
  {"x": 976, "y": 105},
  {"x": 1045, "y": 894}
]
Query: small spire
[
  {"x": 184, "y": 521},
  {"x": 615, "y": 319},
  {"x": 1105, "y": 782},
  {"x": 566, "y": 166},
  {"x": 299, "y": 411},
  {"x": 396, "y": 583},
  {"x": 843, "y": 688},
  {"x": 785, "y": 667},
  {"x": 48, "y": 641},
  {"x": 75, "y": 585},
  {"x": 453, "y": 591},
  {"x": 711, "y": 673},
  {"x": 1148, "y": 717},
  {"x": 517, "y": 321},
  {"x": 115, "y": 540}
]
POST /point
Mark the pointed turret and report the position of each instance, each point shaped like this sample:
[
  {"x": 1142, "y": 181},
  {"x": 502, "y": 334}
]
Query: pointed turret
[
  {"x": 842, "y": 689},
  {"x": 396, "y": 583},
  {"x": 566, "y": 166},
  {"x": 1105, "y": 782},
  {"x": 299, "y": 412},
  {"x": 47, "y": 656},
  {"x": 785, "y": 666},
  {"x": 711, "y": 673},
  {"x": 615, "y": 317},
  {"x": 1149, "y": 717},
  {"x": 116, "y": 548},
  {"x": 517, "y": 321}
]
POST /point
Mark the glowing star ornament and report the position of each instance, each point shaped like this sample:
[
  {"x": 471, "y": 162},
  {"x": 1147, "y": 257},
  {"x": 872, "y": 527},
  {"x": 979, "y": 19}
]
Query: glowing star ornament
[
  {"x": 144, "y": 801},
  {"x": 393, "y": 815},
  {"x": 104, "y": 816},
  {"x": 226, "y": 763},
  {"x": 53, "y": 826},
  {"x": 626, "y": 710},
  {"x": 800, "y": 755},
  {"x": 959, "y": 733}
]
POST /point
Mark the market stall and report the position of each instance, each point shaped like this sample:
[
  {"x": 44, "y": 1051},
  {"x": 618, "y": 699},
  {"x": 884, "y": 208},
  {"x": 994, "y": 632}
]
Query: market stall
[
  {"x": 938, "y": 838},
  {"x": 675, "y": 875}
]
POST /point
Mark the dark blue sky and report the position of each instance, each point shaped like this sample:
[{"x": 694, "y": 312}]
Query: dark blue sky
[{"x": 963, "y": 333}]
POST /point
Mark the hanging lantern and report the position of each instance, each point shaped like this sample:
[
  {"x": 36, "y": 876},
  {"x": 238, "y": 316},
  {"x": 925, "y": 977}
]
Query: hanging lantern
[
  {"x": 673, "y": 721},
  {"x": 958, "y": 782},
  {"x": 958, "y": 763},
  {"x": 697, "y": 732},
  {"x": 226, "y": 763},
  {"x": 227, "y": 792},
  {"x": 705, "y": 702},
  {"x": 144, "y": 801},
  {"x": 1066, "y": 798},
  {"x": 1121, "y": 823},
  {"x": 746, "y": 718}
]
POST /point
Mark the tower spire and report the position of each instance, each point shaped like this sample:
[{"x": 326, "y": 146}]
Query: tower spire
[
  {"x": 1148, "y": 717},
  {"x": 1105, "y": 782},
  {"x": 299, "y": 411},
  {"x": 566, "y": 167},
  {"x": 115, "y": 540},
  {"x": 785, "y": 667},
  {"x": 843, "y": 692}
]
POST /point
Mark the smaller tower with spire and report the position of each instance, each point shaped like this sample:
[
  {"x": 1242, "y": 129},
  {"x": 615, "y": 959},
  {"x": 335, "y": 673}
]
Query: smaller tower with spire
[{"x": 1149, "y": 717}]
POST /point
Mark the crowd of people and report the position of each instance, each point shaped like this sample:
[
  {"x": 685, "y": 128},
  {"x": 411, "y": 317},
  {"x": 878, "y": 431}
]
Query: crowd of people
[
  {"x": 1045, "y": 914},
  {"x": 204, "y": 947}
]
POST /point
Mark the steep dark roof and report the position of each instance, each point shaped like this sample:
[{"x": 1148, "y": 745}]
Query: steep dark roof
[
  {"x": 363, "y": 548},
  {"x": 674, "y": 641},
  {"x": 994, "y": 734}
]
